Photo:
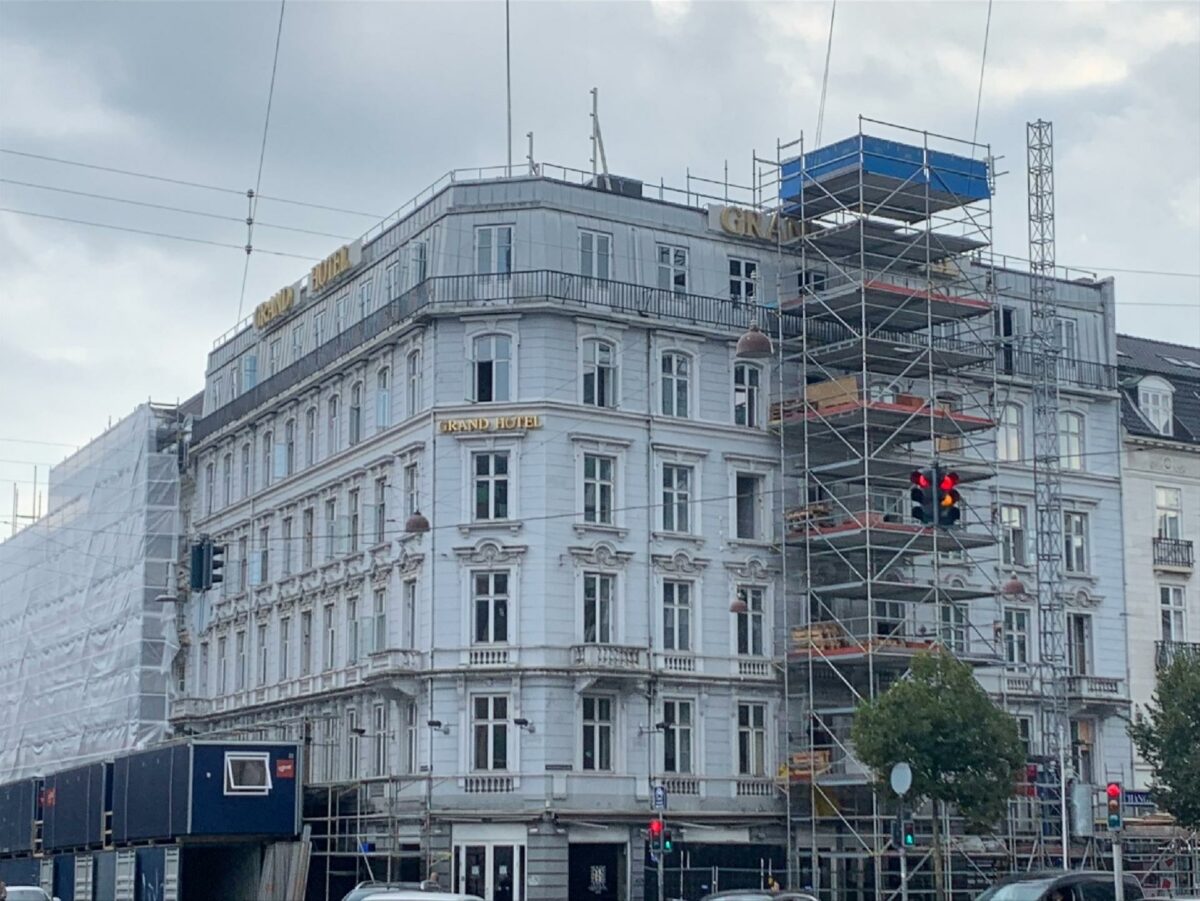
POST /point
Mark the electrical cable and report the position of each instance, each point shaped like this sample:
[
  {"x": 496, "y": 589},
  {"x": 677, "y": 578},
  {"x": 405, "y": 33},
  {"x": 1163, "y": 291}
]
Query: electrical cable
[
  {"x": 987, "y": 30},
  {"x": 825, "y": 77}
]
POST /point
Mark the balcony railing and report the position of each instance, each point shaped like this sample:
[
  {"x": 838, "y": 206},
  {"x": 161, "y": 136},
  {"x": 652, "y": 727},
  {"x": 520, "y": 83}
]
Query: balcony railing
[
  {"x": 1094, "y": 687},
  {"x": 608, "y": 657},
  {"x": 1167, "y": 652},
  {"x": 1077, "y": 373},
  {"x": 1174, "y": 552}
]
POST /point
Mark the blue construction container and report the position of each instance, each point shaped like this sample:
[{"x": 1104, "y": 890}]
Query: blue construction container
[
  {"x": 18, "y": 810},
  {"x": 20, "y": 871},
  {"x": 75, "y": 803}
]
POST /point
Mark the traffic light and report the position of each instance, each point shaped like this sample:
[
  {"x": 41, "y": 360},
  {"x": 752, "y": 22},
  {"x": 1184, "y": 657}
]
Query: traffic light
[
  {"x": 667, "y": 844},
  {"x": 922, "y": 495},
  {"x": 216, "y": 563},
  {"x": 207, "y": 561},
  {"x": 908, "y": 834},
  {"x": 656, "y": 836},
  {"x": 1113, "y": 793},
  {"x": 948, "y": 499},
  {"x": 197, "y": 567}
]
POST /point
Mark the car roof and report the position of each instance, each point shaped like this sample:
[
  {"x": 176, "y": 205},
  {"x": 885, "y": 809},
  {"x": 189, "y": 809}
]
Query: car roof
[
  {"x": 1057, "y": 878},
  {"x": 418, "y": 895}
]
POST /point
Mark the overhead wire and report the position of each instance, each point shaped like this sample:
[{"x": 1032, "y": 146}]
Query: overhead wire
[
  {"x": 825, "y": 77},
  {"x": 987, "y": 30}
]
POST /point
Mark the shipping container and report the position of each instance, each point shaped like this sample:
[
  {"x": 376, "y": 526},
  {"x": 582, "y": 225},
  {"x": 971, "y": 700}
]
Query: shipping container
[
  {"x": 20, "y": 871},
  {"x": 18, "y": 810},
  {"x": 74, "y": 807}
]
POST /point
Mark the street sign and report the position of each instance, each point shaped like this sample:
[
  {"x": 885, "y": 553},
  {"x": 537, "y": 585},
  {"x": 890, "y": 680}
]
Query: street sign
[
  {"x": 901, "y": 779},
  {"x": 660, "y": 797}
]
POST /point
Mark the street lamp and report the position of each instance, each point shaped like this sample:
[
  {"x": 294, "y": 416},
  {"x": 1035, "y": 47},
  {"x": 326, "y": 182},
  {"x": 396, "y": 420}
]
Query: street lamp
[{"x": 434, "y": 726}]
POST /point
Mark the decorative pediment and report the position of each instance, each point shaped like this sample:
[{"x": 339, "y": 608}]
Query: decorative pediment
[
  {"x": 603, "y": 554},
  {"x": 753, "y": 569},
  {"x": 1083, "y": 598},
  {"x": 490, "y": 553},
  {"x": 679, "y": 562}
]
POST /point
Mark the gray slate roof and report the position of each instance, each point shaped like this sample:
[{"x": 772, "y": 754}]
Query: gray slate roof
[{"x": 1179, "y": 364}]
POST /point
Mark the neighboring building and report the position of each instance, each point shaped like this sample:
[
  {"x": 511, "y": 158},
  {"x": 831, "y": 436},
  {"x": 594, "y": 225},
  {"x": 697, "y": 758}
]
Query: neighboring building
[
  {"x": 85, "y": 648},
  {"x": 1160, "y": 468}
]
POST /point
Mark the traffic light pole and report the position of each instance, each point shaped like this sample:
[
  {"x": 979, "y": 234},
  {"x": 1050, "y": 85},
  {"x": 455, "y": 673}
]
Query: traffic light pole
[
  {"x": 662, "y": 854},
  {"x": 1118, "y": 868}
]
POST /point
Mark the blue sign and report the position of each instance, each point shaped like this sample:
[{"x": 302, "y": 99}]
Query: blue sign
[
  {"x": 660, "y": 798},
  {"x": 1136, "y": 797}
]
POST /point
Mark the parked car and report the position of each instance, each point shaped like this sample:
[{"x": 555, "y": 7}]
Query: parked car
[
  {"x": 418, "y": 895},
  {"x": 364, "y": 889},
  {"x": 1081, "y": 885},
  {"x": 758, "y": 894},
  {"x": 28, "y": 893}
]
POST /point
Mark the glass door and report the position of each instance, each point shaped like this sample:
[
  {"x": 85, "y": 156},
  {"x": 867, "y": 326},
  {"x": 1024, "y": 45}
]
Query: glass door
[{"x": 495, "y": 871}]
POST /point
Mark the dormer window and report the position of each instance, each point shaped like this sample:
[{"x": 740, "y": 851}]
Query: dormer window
[{"x": 1155, "y": 401}]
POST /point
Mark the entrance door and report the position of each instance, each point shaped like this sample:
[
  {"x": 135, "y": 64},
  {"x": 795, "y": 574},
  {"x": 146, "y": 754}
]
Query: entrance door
[
  {"x": 597, "y": 871},
  {"x": 474, "y": 870},
  {"x": 495, "y": 871}
]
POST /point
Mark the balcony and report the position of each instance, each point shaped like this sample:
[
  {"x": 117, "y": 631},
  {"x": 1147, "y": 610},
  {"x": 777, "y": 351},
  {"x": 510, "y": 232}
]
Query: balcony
[
  {"x": 1174, "y": 553},
  {"x": 187, "y": 708},
  {"x": 1020, "y": 365},
  {"x": 1167, "y": 652},
  {"x": 391, "y": 662},
  {"x": 1095, "y": 689},
  {"x": 608, "y": 657}
]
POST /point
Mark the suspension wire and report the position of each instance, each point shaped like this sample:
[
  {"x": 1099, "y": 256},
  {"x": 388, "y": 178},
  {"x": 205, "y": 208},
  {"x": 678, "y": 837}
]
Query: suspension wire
[
  {"x": 987, "y": 29},
  {"x": 825, "y": 77}
]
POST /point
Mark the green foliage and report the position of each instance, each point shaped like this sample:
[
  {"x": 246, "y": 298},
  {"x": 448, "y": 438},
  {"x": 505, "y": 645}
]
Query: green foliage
[
  {"x": 1167, "y": 735},
  {"x": 963, "y": 749}
]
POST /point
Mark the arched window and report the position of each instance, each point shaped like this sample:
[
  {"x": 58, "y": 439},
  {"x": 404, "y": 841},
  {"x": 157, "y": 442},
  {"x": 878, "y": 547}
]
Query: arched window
[
  {"x": 1156, "y": 401},
  {"x": 383, "y": 399},
  {"x": 268, "y": 454},
  {"x": 227, "y": 479},
  {"x": 1008, "y": 434},
  {"x": 289, "y": 449},
  {"x": 356, "y": 392},
  {"x": 676, "y": 377},
  {"x": 414, "y": 382},
  {"x": 491, "y": 367},
  {"x": 599, "y": 373},
  {"x": 1070, "y": 440},
  {"x": 333, "y": 435},
  {"x": 310, "y": 436}
]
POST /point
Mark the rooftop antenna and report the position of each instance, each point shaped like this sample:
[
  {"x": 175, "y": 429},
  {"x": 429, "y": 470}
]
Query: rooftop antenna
[
  {"x": 508, "y": 84},
  {"x": 598, "y": 142}
]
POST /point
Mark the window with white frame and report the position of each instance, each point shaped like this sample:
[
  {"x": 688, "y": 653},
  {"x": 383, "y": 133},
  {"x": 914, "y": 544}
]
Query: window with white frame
[
  {"x": 249, "y": 371},
  {"x": 418, "y": 253},
  {"x": 672, "y": 268},
  {"x": 352, "y": 631},
  {"x": 409, "y": 638},
  {"x": 410, "y": 729},
  {"x": 215, "y": 396},
  {"x": 598, "y": 601},
  {"x": 227, "y": 479},
  {"x": 383, "y": 399},
  {"x": 677, "y": 615},
  {"x": 392, "y": 280},
  {"x": 954, "y": 627},
  {"x": 247, "y": 773},
  {"x": 263, "y": 654},
  {"x": 1066, "y": 334},
  {"x": 1173, "y": 602},
  {"x": 413, "y": 368},
  {"x": 275, "y": 356},
  {"x": 355, "y": 517},
  {"x": 240, "y": 661},
  {"x": 1025, "y": 734},
  {"x": 380, "y": 739},
  {"x": 283, "y": 668},
  {"x": 599, "y": 373},
  {"x": 1014, "y": 536},
  {"x": 247, "y": 473},
  {"x": 310, "y": 436},
  {"x": 297, "y": 342},
  {"x": 1079, "y": 644},
  {"x": 489, "y": 730},
  {"x": 752, "y": 739},
  {"x": 412, "y": 489},
  {"x": 1168, "y": 512},
  {"x": 318, "y": 328},
  {"x": 676, "y": 497},
  {"x": 341, "y": 310},
  {"x": 491, "y": 364},
  {"x": 748, "y": 506},
  {"x": 289, "y": 447},
  {"x": 331, "y": 528},
  {"x": 599, "y": 488},
  {"x": 743, "y": 275},
  {"x": 1083, "y": 745},
  {"x": 489, "y": 599},
  {"x": 309, "y": 538},
  {"x": 268, "y": 458},
  {"x": 210, "y": 488},
  {"x": 595, "y": 252},
  {"x": 747, "y": 383},
  {"x": 1016, "y": 636},
  {"x": 287, "y": 546},
  {"x": 597, "y": 733},
  {"x": 677, "y": 736},
  {"x": 333, "y": 428},
  {"x": 379, "y": 637},
  {"x": 306, "y": 642},
  {"x": 1156, "y": 401},
  {"x": 1070, "y": 440},
  {"x": 205, "y": 688},
  {"x": 222, "y": 666},
  {"x": 243, "y": 563},
  {"x": 353, "y": 743},
  {"x": 329, "y": 658},
  {"x": 356, "y": 423},
  {"x": 493, "y": 249},
  {"x": 366, "y": 299},
  {"x": 491, "y": 485},
  {"x": 1075, "y": 542},
  {"x": 1008, "y": 434},
  {"x": 750, "y": 621},
  {"x": 675, "y": 377},
  {"x": 380, "y": 531}
]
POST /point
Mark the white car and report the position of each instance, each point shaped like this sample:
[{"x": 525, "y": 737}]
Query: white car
[
  {"x": 27, "y": 893},
  {"x": 406, "y": 895}
]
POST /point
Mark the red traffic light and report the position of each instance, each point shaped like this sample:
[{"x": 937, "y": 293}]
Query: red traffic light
[
  {"x": 920, "y": 478},
  {"x": 949, "y": 481},
  {"x": 656, "y": 828},
  {"x": 1113, "y": 791}
]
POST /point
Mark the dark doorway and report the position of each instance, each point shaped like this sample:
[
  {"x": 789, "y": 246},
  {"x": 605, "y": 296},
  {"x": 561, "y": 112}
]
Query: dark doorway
[{"x": 597, "y": 872}]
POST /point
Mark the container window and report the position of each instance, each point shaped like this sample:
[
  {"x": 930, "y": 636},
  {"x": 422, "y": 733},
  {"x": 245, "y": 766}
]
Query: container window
[{"x": 247, "y": 773}]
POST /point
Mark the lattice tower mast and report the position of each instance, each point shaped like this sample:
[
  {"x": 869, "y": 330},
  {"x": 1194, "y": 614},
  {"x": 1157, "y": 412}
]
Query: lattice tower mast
[{"x": 1047, "y": 476}]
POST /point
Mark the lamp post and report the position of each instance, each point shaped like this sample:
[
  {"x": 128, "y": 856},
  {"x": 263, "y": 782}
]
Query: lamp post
[{"x": 434, "y": 726}]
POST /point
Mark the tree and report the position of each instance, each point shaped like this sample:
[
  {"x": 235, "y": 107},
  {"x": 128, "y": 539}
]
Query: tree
[
  {"x": 1167, "y": 736},
  {"x": 963, "y": 749}
]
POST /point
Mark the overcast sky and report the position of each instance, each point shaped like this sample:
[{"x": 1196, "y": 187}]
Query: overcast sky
[{"x": 374, "y": 101}]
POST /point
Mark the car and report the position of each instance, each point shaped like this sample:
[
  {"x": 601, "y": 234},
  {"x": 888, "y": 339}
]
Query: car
[
  {"x": 419, "y": 895},
  {"x": 363, "y": 889},
  {"x": 1055, "y": 885},
  {"x": 758, "y": 894},
  {"x": 28, "y": 893}
]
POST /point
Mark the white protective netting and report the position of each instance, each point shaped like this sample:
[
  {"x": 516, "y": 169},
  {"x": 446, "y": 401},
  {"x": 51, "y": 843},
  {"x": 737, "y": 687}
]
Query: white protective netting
[{"x": 85, "y": 649}]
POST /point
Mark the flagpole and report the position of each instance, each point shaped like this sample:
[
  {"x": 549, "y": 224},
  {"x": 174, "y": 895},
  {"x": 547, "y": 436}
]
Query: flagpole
[{"x": 508, "y": 83}]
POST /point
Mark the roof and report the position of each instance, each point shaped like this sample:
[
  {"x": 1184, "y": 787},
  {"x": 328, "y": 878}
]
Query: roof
[{"x": 1178, "y": 364}]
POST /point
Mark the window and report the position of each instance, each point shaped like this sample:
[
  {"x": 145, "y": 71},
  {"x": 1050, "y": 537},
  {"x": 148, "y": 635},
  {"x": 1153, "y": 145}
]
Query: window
[
  {"x": 676, "y": 498},
  {"x": 268, "y": 454},
  {"x": 287, "y": 546},
  {"x": 598, "y": 608},
  {"x": 216, "y": 392},
  {"x": 393, "y": 280},
  {"x": 210, "y": 488},
  {"x": 306, "y": 642},
  {"x": 380, "y": 510},
  {"x": 289, "y": 447},
  {"x": 222, "y": 666},
  {"x": 297, "y": 342},
  {"x": 1066, "y": 334},
  {"x": 262, "y": 654},
  {"x": 491, "y": 486},
  {"x": 746, "y": 385},
  {"x": 742, "y": 277},
  {"x": 412, "y": 487},
  {"x": 310, "y": 436},
  {"x": 490, "y": 599},
  {"x": 1174, "y": 610},
  {"x": 249, "y": 371},
  {"x": 1070, "y": 440},
  {"x": 1014, "y": 540},
  {"x": 410, "y": 613},
  {"x": 1008, "y": 434},
  {"x": 352, "y": 631},
  {"x": 493, "y": 249},
  {"x": 410, "y": 725},
  {"x": 675, "y": 375},
  {"x": 306, "y": 550},
  {"x": 672, "y": 268},
  {"x": 1079, "y": 644},
  {"x": 598, "y": 489},
  {"x": 1075, "y": 548},
  {"x": 1025, "y": 734},
  {"x": 379, "y": 622},
  {"x": 954, "y": 628},
  {"x": 356, "y": 392},
  {"x": 318, "y": 328},
  {"x": 1155, "y": 400},
  {"x": 366, "y": 301},
  {"x": 414, "y": 381},
  {"x": 750, "y": 622},
  {"x": 383, "y": 399},
  {"x": 285, "y": 647},
  {"x": 595, "y": 250},
  {"x": 492, "y": 359},
  {"x": 333, "y": 426},
  {"x": 1016, "y": 636},
  {"x": 204, "y": 687},
  {"x": 752, "y": 739},
  {"x": 677, "y": 616},
  {"x": 490, "y": 730},
  {"x": 355, "y": 518},
  {"x": 1004, "y": 323},
  {"x": 749, "y": 506},
  {"x": 379, "y": 740},
  {"x": 1168, "y": 512},
  {"x": 243, "y": 563},
  {"x": 599, "y": 373},
  {"x": 239, "y": 672},
  {"x": 227, "y": 479},
  {"x": 275, "y": 359},
  {"x": 353, "y": 740},
  {"x": 1083, "y": 745},
  {"x": 677, "y": 736},
  {"x": 264, "y": 555},
  {"x": 340, "y": 309},
  {"x": 419, "y": 253},
  {"x": 331, "y": 528},
  {"x": 330, "y": 655},
  {"x": 246, "y": 471},
  {"x": 597, "y": 732},
  {"x": 247, "y": 773}
]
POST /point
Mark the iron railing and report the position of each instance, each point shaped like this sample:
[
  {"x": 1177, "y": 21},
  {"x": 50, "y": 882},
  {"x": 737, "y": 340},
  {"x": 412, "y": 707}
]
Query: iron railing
[
  {"x": 1167, "y": 652},
  {"x": 1173, "y": 552},
  {"x": 1077, "y": 373}
]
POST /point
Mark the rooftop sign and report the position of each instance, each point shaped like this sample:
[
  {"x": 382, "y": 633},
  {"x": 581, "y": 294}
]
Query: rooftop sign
[
  {"x": 341, "y": 260},
  {"x": 270, "y": 310},
  {"x": 757, "y": 226}
]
